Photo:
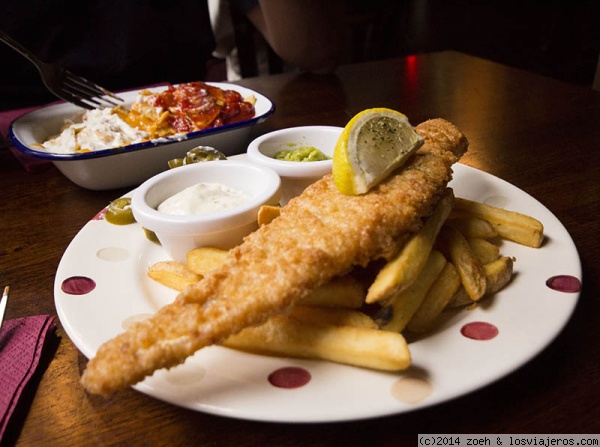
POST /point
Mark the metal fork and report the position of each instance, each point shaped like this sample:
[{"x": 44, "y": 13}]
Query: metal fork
[
  {"x": 63, "y": 83},
  {"x": 3, "y": 302}
]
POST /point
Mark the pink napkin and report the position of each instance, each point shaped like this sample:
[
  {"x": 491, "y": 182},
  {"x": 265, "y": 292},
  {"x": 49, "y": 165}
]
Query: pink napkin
[
  {"x": 31, "y": 164},
  {"x": 21, "y": 344},
  {"x": 8, "y": 116}
]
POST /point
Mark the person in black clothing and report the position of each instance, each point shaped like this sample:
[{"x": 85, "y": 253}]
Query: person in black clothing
[{"x": 133, "y": 43}]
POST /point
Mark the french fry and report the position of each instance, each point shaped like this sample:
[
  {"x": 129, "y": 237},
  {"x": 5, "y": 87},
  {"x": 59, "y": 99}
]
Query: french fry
[
  {"x": 267, "y": 213},
  {"x": 473, "y": 227},
  {"x": 455, "y": 246},
  {"x": 400, "y": 308},
  {"x": 484, "y": 250},
  {"x": 341, "y": 291},
  {"x": 204, "y": 259},
  {"x": 173, "y": 274},
  {"x": 439, "y": 294},
  {"x": 498, "y": 273},
  {"x": 357, "y": 346},
  {"x": 334, "y": 317},
  {"x": 460, "y": 299},
  {"x": 511, "y": 225},
  {"x": 399, "y": 273}
]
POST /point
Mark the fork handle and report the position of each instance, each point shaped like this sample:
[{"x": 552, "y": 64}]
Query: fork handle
[{"x": 19, "y": 48}]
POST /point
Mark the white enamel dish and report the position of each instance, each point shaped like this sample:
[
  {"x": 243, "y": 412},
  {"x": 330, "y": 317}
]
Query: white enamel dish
[{"x": 130, "y": 165}]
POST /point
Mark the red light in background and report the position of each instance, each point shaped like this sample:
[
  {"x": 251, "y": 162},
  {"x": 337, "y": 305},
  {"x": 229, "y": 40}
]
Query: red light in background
[{"x": 411, "y": 70}]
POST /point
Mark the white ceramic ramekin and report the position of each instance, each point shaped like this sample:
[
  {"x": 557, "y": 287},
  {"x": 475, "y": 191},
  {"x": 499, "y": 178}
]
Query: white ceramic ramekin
[
  {"x": 130, "y": 165},
  {"x": 223, "y": 229},
  {"x": 295, "y": 175}
]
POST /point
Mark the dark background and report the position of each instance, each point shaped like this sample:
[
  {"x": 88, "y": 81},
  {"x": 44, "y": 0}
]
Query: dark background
[{"x": 554, "y": 38}]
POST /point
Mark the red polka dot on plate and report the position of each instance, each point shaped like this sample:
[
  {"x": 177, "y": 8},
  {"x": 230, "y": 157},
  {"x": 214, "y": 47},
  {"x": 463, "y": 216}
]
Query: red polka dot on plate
[
  {"x": 101, "y": 214},
  {"x": 78, "y": 285},
  {"x": 479, "y": 330},
  {"x": 564, "y": 283},
  {"x": 289, "y": 377}
]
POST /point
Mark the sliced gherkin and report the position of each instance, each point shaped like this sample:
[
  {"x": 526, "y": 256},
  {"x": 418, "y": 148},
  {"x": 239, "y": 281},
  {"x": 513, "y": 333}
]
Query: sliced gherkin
[
  {"x": 203, "y": 153},
  {"x": 197, "y": 155},
  {"x": 175, "y": 163},
  {"x": 119, "y": 212},
  {"x": 150, "y": 235}
]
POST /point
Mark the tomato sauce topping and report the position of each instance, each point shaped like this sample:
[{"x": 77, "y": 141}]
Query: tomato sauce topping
[
  {"x": 187, "y": 108},
  {"x": 197, "y": 105}
]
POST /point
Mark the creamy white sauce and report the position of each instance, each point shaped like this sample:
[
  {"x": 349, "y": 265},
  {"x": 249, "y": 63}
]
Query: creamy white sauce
[
  {"x": 202, "y": 199},
  {"x": 99, "y": 129}
]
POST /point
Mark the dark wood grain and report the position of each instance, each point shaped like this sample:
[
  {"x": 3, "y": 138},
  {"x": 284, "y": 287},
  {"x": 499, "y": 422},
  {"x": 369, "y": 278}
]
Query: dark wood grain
[{"x": 542, "y": 135}]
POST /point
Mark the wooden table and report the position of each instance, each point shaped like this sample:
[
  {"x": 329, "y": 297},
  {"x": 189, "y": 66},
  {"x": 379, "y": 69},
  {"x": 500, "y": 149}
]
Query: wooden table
[{"x": 538, "y": 134}]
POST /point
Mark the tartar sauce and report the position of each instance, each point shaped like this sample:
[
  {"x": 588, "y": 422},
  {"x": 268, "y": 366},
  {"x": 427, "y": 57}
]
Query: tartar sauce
[{"x": 203, "y": 198}]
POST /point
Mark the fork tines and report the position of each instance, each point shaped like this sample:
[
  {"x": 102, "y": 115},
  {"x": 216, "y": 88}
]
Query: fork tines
[{"x": 87, "y": 94}]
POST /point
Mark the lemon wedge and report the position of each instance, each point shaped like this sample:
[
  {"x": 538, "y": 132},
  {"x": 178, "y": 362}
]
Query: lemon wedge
[{"x": 373, "y": 144}]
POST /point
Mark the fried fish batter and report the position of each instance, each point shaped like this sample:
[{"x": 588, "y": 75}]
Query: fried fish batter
[{"x": 319, "y": 235}]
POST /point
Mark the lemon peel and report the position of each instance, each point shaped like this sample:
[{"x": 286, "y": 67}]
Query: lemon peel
[{"x": 374, "y": 143}]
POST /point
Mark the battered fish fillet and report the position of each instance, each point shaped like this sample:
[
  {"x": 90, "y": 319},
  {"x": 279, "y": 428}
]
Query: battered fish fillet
[{"x": 318, "y": 235}]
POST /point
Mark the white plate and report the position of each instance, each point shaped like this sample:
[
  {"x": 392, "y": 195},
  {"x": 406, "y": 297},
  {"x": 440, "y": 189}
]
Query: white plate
[{"x": 225, "y": 382}]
